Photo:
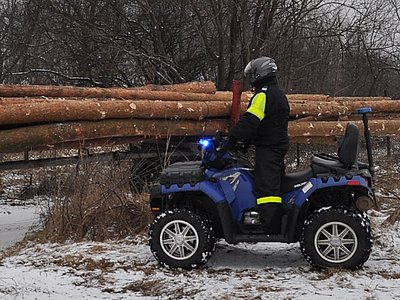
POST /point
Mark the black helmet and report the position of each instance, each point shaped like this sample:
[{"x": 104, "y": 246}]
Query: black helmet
[{"x": 260, "y": 68}]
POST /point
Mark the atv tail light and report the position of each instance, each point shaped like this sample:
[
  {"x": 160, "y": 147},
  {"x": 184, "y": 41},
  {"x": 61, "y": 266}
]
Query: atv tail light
[{"x": 353, "y": 182}]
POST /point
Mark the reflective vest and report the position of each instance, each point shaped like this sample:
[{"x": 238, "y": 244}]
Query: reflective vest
[{"x": 266, "y": 121}]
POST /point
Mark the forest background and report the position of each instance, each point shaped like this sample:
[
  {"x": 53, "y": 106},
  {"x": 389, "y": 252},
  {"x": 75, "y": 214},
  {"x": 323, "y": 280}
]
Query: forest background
[{"x": 345, "y": 47}]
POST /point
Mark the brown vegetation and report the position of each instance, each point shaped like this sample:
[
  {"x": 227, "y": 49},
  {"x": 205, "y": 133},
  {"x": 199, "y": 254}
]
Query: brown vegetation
[{"x": 93, "y": 203}]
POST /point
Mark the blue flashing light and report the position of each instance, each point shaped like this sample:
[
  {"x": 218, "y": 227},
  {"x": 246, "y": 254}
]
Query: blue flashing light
[{"x": 204, "y": 143}]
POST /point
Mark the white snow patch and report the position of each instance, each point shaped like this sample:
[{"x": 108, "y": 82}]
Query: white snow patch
[
  {"x": 15, "y": 221},
  {"x": 127, "y": 270}
]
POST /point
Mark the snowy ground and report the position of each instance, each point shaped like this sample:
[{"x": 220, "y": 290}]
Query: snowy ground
[
  {"x": 15, "y": 221},
  {"x": 127, "y": 270}
]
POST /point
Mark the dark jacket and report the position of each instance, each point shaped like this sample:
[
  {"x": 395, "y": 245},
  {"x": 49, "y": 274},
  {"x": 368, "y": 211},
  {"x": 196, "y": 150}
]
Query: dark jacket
[{"x": 272, "y": 129}]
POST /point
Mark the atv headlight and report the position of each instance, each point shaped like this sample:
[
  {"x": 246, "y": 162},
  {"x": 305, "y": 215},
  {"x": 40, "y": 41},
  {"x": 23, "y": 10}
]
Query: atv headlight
[{"x": 204, "y": 143}]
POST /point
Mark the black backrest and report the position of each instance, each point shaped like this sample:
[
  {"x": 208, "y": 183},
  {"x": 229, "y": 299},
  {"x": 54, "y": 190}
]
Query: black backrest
[{"x": 348, "y": 149}]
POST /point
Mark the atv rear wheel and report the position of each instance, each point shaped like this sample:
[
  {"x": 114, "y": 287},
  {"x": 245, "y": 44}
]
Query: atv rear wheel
[
  {"x": 336, "y": 238},
  {"x": 181, "y": 239}
]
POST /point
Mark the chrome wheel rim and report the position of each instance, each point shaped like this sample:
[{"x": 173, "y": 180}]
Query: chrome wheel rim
[
  {"x": 179, "y": 240},
  {"x": 335, "y": 242}
]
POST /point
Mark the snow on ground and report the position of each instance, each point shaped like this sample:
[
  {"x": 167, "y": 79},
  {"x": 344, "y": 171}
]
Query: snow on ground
[
  {"x": 15, "y": 221},
  {"x": 127, "y": 270}
]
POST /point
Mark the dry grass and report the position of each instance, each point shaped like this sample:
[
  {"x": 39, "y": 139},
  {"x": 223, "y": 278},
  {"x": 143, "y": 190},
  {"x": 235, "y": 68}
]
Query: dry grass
[
  {"x": 393, "y": 218},
  {"x": 92, "y": 203}
]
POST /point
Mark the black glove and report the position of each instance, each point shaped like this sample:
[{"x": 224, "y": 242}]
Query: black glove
[
  {"x": 243, "y": 147},
  {"x": 219, "y": 163},
  {"x": 228, "y": 146}
]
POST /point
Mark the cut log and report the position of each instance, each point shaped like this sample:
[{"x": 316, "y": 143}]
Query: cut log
[
  {"x": 207, "y": 87},
  {"x": 74, "y": 110},
  {"x": 40, "y": 136},
  {"x": 308, "y": 97},
  {"x": 318, "y": 110},
  {"x": 392, "y": 106},
  {"x": 227, "y": 96},
  {"x": 309, "y": 140},
  {"x": 98, "y": 94},
  {"x": 373, "y": 116},
  {"x": 360, "y": 98},
  {"x": 84, "y": 144},
  {"x": 36, "y": 111},
  {"x": 320, "y": 128},
  {"x": 47, "y": 111}
]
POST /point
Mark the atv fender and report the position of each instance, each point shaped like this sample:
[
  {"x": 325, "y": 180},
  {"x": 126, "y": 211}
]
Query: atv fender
[
  {"x": 214, "y": 190},
  {"x": 299, "y": 196}
]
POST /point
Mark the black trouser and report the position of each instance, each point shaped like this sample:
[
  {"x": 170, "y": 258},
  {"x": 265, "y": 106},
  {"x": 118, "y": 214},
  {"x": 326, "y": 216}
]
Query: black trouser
[{"x": 268, "y": 172}]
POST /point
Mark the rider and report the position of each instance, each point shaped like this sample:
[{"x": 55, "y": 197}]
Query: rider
[{"x": 265, "y": 124}]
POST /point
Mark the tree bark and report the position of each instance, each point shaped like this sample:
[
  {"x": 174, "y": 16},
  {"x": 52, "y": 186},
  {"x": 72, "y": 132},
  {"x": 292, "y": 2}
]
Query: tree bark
[
  {"x": 321, "y": 140},
  {"x": 335, "y": 128},
  {"x": 17, "y": 111},
  {"x": 378, "y": 106},
  {"x": 324, "y": 98},
  {"x": 103, "y": 94},
  {"x": 308, "y": 97},
  {"x": 32, "y": 112},
  {"x": 42, "y": 136},
  {"x": 318, "y": 110},
  {"x": 206, "y": 87},
  {"x": 81, "y": 133}
]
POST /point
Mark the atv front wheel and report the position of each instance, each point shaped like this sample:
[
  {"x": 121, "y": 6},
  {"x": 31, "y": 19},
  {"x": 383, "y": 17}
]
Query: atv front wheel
[
  {"x": 336, "y": 238},
  {"x": 181, "y": 239}
]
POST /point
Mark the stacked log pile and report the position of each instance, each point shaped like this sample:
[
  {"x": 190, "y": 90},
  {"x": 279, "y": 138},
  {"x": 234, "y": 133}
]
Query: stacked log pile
[{"x": 42, "y": 117}]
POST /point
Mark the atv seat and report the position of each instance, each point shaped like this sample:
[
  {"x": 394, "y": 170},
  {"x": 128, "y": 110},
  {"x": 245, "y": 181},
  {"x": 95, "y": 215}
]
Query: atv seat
[
  {"x": 347, "y": 155},
  {"x": 292, "y": 181}
]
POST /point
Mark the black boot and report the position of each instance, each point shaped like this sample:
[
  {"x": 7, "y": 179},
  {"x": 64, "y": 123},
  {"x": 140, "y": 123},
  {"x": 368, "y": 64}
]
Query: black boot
[{"x": 271, "y": 216}]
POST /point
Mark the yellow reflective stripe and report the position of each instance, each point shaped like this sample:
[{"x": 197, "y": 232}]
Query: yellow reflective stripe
[
  {"x": 257, "y": 106},
  {"x": 269, "y": 199}
]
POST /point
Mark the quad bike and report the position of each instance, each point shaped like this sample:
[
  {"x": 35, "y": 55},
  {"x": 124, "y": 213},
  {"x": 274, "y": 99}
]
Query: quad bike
[{"x": 325, "y": 207}]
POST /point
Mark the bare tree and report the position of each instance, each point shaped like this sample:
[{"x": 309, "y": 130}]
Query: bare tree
[{"x": 348, "y": 47}]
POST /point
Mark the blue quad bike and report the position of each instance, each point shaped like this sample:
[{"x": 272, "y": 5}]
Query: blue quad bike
[{"x": 325, "y": 207}]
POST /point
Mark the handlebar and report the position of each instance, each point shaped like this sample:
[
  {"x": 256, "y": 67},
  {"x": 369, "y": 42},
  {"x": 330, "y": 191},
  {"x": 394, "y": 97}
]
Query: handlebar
[{"x": 211, "y": 157}]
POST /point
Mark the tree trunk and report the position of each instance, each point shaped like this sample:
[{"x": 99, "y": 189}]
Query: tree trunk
[
  {"x": 18, "y": 111},
  {"x": 314, "y": 129},
  {"x": 47, "y": 111},
  {"x": 206, "y": 87},
  {"x": 102, "y": 94},
  {"x": 81, "y": 133},
  {"x": 324, "y": 98},
  {"x": 42, "y": 136},
  {"x": 380, "y": 106},
  {"x": 318, "y": 110}
]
